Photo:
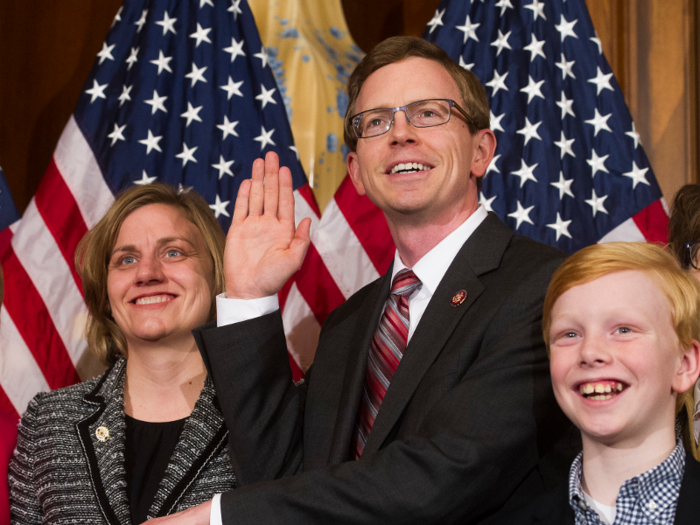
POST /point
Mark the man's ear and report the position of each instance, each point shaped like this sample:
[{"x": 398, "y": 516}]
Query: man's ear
[
  {"x": 689, "y": 368},
  {"x": 354, "y": 172},
  {"x": 484, "y": 150}
]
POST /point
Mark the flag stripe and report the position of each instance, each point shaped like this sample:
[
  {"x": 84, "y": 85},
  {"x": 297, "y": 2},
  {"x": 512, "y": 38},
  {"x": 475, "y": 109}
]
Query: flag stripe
[
  {"x": 652, "y": 221},
  {"x": 6, "y": 406},
  {"x": 301, "y": 329},
  {"x": 368, "y": 224},
  {"x": 317, "y": 286}
]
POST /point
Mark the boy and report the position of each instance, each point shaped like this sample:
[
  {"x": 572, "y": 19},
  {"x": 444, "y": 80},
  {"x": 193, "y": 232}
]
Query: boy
[{"x": 622, "y": 322}]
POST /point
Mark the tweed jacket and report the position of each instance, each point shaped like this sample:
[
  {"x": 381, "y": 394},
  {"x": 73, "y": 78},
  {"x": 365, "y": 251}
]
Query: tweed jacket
[{"x": 62, "y": 473}]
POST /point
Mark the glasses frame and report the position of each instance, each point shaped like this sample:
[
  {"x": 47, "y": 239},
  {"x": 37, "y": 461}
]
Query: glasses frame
[
  {"x": 689, "y": 247},
  {"x": 451, "y": 103}
]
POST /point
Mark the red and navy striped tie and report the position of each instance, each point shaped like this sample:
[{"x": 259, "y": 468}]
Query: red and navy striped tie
[{"x": 385, "y": 354}]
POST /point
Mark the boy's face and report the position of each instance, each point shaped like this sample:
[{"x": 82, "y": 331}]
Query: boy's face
[{"x": 615, "y": 358}]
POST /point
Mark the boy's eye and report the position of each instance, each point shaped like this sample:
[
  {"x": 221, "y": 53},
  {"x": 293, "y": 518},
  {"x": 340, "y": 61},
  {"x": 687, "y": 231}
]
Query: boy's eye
[
  {"x": 624, "y": 330},
  {"x": 570, "y": 335}
]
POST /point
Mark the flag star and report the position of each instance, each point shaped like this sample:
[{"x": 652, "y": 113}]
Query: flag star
[
  {"x": 295, "y": 150},
  {"x": 501, "y": 42},
  {"x": 145, "y": 179},
  {"x": 117, "y": 134},
  {"x": 151, "y": 142},
  {"x": 497, "y": 82},
  {"x": 156, "y": 103},
  {"x": 224, "y": 166},
  {"x": 525, "y": 172},
  {"x": 265, "y": 138},
  {"x": 187, "y": 154},
  {"x": 597, "y": 203},
  {"x": 597, "y": 42},
  {"x": 105, "y": 53},
  {"x": 529, "y": 131},
  {"x": 133, "y": 58},
  {"x": 634, "y": 135},
  {"x": 201, "y": 35},
  {"x": 168, "y": 24},
  {"x": 564, "y": 145},
  {"x": 599, "y": 122},
  {"x": 533, "y": 89},
  {"x": 466, "y": 66},
  {"x": 125, "y": 94},
  {"x": 496, "y": 121},
  {"x": 117, "y": 17},
  {"x": 566, "y": 28},
  {"x": 492, "y": 165},
  {"x": 263, "y": 56},
  {"x": 486, "y": 203},
  {"x": 561, "y": 227},
  {"x": 183, "y": 189},
  {"x": 597, "y": 163},
  {"x": 202, "y": 3},
  {"x": 236, "y": 10},
  {"x": 637, "y": 175},
  {"x": 535, "y": 48},
  {"x": 436, "y": 20},
  {"x": 564, "y": 186},
  {"x": 197, "y": 74},
  {"x": 504, "y": 4},
  {"x": 469, "y": 30},
  {"x": 537, "y": 8},
  {"x": 232, "y": 88},
  {"x": 191, "y": 114},
  {"x": 163, "y": 62},
  {"x": 236, "y": 49},
  {"x": 266, "y": 96},
  {"x": 96, "y": 91},
  {"x": 219, "y": 207},
  {"x": 521, "y": 215},
  {"x": 141, "y": 21},
  {"x": 566, "y": 106},
  {"x": 228, "y": 128},
  {"x": 566, "y": 67},
  {"x": 602, "y": 81}
]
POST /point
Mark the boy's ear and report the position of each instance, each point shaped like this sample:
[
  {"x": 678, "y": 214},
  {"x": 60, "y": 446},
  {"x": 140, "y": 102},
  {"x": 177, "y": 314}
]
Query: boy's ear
[{"x": 689, "y": 369}]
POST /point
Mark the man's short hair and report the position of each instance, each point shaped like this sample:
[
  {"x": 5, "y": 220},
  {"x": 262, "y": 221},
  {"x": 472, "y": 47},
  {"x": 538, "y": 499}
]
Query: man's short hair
[
  {"x": 680, "y": 288},
  {"x": 684, "y": 225},
  {"x": 395, "y": 49}
]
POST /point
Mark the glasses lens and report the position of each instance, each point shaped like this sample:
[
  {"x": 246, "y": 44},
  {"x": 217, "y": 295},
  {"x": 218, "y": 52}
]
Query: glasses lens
[
  {"x": 695, "y": 255},
  {"x": 426, "y": 113},
  {"x": 373, "y": 122}
]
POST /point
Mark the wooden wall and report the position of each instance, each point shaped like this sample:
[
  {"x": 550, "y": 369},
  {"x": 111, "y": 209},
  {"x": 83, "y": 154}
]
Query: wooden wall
[{"x": 47, "y": 49}]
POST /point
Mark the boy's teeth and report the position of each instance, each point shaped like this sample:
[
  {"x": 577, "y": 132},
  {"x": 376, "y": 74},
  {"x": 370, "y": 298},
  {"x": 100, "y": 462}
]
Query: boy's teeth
[
  {"x": 601, "y": 391},
  {"x": 409, "y": 166}
]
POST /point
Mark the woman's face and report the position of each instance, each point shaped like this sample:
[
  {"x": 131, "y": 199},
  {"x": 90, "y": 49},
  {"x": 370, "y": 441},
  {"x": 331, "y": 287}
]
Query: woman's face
[{"x": 160, "y": 278}]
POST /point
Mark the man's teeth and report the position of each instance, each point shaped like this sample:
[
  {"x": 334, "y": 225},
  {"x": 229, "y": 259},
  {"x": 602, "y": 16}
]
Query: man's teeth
[
  {"x": 601, "y": 391},
  {"x": 154, "y": 299},
  {"x": 409, "y": 167}
]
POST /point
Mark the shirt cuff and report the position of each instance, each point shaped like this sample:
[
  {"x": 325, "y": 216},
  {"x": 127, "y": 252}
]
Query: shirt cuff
[
  {"x": 230, "y": 311},
  {"x": 215, "y": 516}
]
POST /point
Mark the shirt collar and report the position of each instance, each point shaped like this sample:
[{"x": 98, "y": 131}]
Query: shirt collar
[
  {"x": 655, "y": 489},
  {"x": 431, "y": 268}
]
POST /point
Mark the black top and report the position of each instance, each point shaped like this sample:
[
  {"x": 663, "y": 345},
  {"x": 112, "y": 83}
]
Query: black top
[{"x": 149, "y": 447}]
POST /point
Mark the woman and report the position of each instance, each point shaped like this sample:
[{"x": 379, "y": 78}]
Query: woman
[
  {"x": 683, "y": 234},
  {"x": 146, "y": 438}
]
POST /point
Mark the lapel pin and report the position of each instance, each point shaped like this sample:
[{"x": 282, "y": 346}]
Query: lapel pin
[
  {"x": 102, "y": 434},
  {"x": 459, "y": 298}
]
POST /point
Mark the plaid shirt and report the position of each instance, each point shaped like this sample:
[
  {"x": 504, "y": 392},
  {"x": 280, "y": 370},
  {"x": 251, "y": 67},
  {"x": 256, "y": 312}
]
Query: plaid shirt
[{"x": 649, "y": 498}]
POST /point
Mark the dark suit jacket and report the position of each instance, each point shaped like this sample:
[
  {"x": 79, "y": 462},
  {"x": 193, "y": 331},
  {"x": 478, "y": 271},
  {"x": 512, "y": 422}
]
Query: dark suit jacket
[
  {"x": 465, "y": 420},
  {"x": 61, "y": 473},
  {"x": 553, "y": 507}
]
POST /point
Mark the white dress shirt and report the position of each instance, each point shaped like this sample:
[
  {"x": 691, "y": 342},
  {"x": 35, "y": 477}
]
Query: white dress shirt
[{"x": 430, "y": 270}]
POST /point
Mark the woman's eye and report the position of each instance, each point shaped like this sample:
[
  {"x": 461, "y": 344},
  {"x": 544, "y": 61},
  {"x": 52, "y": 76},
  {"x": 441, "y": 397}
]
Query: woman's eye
[
  {"x": 128, "y": 260},
  {"x": 173, "y": 253}
]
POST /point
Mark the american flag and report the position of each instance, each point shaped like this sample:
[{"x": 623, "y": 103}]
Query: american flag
[
  {"x": 180, "y": 92},
  {"x": 569, "y": 169},
  {"x": 8, "y": 214}
]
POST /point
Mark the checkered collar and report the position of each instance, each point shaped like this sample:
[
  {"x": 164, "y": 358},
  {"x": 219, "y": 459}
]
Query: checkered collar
[{"x": 641, "y": 499}]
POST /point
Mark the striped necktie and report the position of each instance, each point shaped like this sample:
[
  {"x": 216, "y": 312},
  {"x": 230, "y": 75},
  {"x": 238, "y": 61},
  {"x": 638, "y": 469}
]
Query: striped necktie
[{"x": 385, "y": 354}]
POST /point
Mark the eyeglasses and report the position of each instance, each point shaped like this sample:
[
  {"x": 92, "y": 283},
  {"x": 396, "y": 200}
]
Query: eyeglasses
[
  {"x": 693, "y": 254},
  {"x": 421, "y": 114}
]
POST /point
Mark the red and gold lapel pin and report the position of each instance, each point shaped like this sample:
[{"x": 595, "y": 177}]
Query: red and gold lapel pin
[{"x": 459, "y": 298}]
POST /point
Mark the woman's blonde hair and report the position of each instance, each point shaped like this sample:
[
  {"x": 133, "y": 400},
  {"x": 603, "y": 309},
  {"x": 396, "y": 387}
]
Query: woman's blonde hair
[{"x": 94, "y": 251}]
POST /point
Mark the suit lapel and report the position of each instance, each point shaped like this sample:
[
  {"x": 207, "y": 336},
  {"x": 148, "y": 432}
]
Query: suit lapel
[
  {"x": 688, "y": 509},
  {"x": 480, "y": 254},
  {"x": 203, "y": 435},
  {"x": 105, "y": 458}
]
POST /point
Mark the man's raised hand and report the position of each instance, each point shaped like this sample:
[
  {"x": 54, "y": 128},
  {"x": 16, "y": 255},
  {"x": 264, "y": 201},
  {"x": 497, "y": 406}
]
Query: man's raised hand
[{"x": 263, "y": 247}]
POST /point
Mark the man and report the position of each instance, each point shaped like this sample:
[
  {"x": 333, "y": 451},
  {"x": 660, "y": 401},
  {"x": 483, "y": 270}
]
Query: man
[{"x": 459, "y": 427}]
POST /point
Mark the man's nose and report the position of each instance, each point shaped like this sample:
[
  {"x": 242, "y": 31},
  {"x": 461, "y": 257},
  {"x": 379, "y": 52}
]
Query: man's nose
[{"x": 401, "y": 129}]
